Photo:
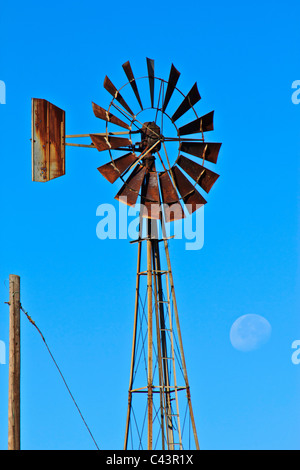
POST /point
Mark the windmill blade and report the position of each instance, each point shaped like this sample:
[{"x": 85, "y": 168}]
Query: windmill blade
[
  {"x": 151, "y": 199},
  {"x": 114, "y": 169},
  {"x": 190, "y": 196},
  {"x": 207, "y": 150},
  {"x": 101, "y": 113},
  {"x": 189, "y": 101},
  {"x": 129, "y": 192},
  {"x": 204, "y": 177},
  {"x": 170, "y": 198},
  {"x": 172, "y": 82},
  {"x": 150, "y": 66},
  {"x": 202, "y": 124},
  {"x": 105, "y": 143},
  {"x": 129, "y": 74},
  {"x": 110, "y": 87}
]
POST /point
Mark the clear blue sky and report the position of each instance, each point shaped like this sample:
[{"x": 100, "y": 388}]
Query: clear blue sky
[{"x": 80, "y": 290}]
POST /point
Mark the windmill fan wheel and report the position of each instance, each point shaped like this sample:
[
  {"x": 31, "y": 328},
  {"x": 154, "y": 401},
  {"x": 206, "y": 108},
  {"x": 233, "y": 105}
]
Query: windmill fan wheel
[{"x": 148, "y": 138}]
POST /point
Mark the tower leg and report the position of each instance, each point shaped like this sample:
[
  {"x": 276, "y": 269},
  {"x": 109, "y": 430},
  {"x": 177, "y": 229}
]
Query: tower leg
[
  {"x": 150, "y": 339},
  {"x": 179, "y": 335},
  {"x": 133, "y": 352},
  {"x": 162, "y": 336}
]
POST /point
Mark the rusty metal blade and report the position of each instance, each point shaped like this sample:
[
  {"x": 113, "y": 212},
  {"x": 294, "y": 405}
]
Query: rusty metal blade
[
  {"x": 150, "y": 66},
  {"x": 168, "y": 192},
  {"x": 110, "y": 87},
  {"x": 170, "y": 198},
  {"x": 207, "y": 150},
  {"x": 129, "y": 74},
  {"x": 204, "y": 177},
  {"x": 202, "y": 124},
  {"x": 151, "y": 199},
  {"x": 172, "y": 82},
  {"x": 190, "y": 196},
  {"x": 101, "y": 113},
  {"x": 105, "y": 143},
  {"x": 129, "y": 192},
  {"x": 189, "y": 101},
  {"x": 114, "y": 169}
]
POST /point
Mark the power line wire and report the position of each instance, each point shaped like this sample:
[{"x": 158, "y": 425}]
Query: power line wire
[{"x": 56, "y": 365}]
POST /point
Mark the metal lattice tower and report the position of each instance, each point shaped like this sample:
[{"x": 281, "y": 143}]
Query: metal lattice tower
[{"x": 158, "y": 385}]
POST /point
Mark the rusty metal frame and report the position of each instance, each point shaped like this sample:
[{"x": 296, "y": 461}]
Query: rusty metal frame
[
  {"x": 133, "y": 118},
  {"x": 48, "y": 141},
  {"x": 134, "y": 121}
]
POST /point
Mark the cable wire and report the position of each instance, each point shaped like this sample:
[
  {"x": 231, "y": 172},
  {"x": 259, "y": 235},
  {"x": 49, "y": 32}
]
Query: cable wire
[{"x": 56, "y": 365}]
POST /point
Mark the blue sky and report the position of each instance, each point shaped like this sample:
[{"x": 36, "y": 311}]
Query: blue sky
[{"x": 80, "y": 290}]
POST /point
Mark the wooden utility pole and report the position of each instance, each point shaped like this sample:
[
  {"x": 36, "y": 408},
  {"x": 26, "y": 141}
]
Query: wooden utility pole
[{"x": 14, "y": 364}]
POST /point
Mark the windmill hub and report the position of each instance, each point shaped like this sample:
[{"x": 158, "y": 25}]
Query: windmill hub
[{"x": 150, "y": 134}]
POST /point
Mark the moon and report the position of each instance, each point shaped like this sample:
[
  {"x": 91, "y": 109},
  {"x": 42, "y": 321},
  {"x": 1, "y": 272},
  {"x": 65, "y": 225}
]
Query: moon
[{"x": 250, "y": 332}]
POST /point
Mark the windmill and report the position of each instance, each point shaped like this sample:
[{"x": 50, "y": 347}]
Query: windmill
[{"x": 168, "y": 185}]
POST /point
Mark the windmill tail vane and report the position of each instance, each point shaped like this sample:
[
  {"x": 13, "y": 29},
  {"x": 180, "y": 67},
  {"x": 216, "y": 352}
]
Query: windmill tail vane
[{"x": 162, "y": 159}]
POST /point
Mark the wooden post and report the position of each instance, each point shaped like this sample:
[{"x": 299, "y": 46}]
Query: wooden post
[{"x": 14, "y": 364}]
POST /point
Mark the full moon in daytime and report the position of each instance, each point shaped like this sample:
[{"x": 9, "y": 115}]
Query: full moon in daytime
[{"x": 250, "y": 332}]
